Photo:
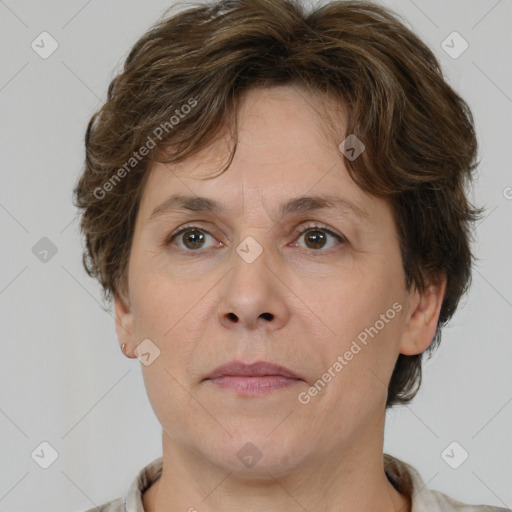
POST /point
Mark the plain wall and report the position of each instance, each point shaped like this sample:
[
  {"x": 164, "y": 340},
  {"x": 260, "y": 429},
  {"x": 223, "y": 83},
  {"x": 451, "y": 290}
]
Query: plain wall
[{"x": 63, "y": 378}]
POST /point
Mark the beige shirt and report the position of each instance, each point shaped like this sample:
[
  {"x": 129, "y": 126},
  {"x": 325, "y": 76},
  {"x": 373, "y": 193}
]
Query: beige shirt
[{"x": 404, "y": 477}]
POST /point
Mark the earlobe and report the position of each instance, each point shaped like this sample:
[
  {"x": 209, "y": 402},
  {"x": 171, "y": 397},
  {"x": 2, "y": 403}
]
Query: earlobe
[{"x": 425, "y": 307}]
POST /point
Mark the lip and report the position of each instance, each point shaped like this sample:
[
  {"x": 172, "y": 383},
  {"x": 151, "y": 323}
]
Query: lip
[
  {"x": 253, "y": 379},
  {"x": 258, "y": 369}
]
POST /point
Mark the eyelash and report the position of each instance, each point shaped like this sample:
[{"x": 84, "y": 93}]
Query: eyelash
[{"x": 310, "y": 227}]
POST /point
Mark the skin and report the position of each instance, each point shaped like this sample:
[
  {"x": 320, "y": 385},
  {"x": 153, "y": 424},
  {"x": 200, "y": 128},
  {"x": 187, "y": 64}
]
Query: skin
[{"x": 207, "y": 308}]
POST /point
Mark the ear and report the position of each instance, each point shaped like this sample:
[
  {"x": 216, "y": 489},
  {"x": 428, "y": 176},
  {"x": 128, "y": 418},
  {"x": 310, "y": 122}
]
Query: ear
[
  {"x": 125, "y": 328},
  {"x": 422, "y": 316}
]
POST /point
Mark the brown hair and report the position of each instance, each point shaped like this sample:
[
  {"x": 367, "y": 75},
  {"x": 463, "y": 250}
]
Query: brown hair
[{"x": 179, "y": 89}]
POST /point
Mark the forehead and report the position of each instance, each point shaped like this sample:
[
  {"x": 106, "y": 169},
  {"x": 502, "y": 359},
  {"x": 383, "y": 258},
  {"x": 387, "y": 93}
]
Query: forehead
[{"x": 284, "y": 151}]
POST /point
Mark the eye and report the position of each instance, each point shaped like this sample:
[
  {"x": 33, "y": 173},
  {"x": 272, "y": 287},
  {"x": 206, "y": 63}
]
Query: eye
[
  {"x": 317, "y": 237},
  {"x": 191, "y": 238}
]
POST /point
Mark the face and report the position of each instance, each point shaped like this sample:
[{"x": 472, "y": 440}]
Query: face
[{"x": 314, "y": 285}]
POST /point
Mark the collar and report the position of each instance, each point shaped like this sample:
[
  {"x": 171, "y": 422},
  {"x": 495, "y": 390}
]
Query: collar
[{"x": 403, "y": 477}]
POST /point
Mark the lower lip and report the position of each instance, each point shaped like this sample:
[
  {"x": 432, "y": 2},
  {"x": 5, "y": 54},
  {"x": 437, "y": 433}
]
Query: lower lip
[{"x": 254, "y": 385}]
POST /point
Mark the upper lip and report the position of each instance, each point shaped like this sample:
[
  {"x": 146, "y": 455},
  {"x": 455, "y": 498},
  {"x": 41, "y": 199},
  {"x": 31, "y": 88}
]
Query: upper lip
[{"x": 258, "y": 369}]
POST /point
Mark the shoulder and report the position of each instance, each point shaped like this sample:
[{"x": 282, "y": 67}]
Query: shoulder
[
  {"x": 132, "y": 501},
  {"x": 111, "y": 506},
  {"x": 408, "y": 481},
  {"x": 444, "y": 502}
]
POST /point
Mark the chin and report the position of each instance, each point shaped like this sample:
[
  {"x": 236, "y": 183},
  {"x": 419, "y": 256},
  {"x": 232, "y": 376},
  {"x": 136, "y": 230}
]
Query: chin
[{"x": 255, "y": 456}]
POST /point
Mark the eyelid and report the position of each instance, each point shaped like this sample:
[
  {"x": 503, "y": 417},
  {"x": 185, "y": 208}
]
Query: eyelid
[
  {"x": 318, "y": 225},
  {"x": 183, "y": 228}
]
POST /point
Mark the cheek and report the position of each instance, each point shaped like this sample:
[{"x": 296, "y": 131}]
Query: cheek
[
  {"x": 343, "y": 304},
  {"x": 180, "y": 415},
  {"x": 361, "y": 318},
  {"x": 162, "y": 302},
  {"x": 163, "y": 313},
  {"x": 173, "y": 314}
]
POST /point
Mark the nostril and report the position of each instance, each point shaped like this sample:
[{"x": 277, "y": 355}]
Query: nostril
[
  {"x": 233, "y": 317},
  {"x": 267, "y": 316}
]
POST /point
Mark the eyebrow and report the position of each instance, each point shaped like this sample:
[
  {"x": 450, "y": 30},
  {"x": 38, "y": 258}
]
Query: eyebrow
[{"x": 302, "y": 205}]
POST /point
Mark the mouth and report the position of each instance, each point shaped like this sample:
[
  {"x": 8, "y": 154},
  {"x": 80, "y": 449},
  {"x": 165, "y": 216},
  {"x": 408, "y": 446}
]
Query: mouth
[{"x": 253, "y": 379}]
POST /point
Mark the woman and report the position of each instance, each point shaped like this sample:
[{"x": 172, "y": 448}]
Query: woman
[{"x": 275, "y": 201}]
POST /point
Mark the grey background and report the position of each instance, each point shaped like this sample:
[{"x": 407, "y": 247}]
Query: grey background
[{"x": 62, "y": 377}]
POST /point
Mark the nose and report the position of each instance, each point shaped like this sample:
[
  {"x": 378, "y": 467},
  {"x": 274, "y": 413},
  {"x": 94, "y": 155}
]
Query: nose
[{"x": 253, "y": 295}]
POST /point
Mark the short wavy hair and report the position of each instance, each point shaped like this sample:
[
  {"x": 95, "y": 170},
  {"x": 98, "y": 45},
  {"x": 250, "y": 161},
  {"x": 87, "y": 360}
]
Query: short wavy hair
[{"x": 181, "y": 86}]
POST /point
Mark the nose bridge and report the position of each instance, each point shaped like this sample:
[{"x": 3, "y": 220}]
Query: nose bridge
[{"x": 250, "y": 260}]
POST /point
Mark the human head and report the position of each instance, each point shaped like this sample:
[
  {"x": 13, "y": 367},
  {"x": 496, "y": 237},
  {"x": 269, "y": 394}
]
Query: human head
[{"x": 180, "y": 90}]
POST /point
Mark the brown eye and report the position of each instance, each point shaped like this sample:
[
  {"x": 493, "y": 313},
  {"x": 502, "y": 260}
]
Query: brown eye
[
  {"x": 190, "y": 239},
  {"x": 317, "y": 237}
]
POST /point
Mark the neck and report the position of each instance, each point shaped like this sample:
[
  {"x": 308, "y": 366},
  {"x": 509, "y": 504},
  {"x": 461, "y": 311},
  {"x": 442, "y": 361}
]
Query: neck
[{"x": 352, "y": 478}]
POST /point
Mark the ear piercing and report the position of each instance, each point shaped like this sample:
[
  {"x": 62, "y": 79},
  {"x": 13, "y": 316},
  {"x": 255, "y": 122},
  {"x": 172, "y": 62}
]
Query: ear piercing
[{"x": 123, "y": 350}]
